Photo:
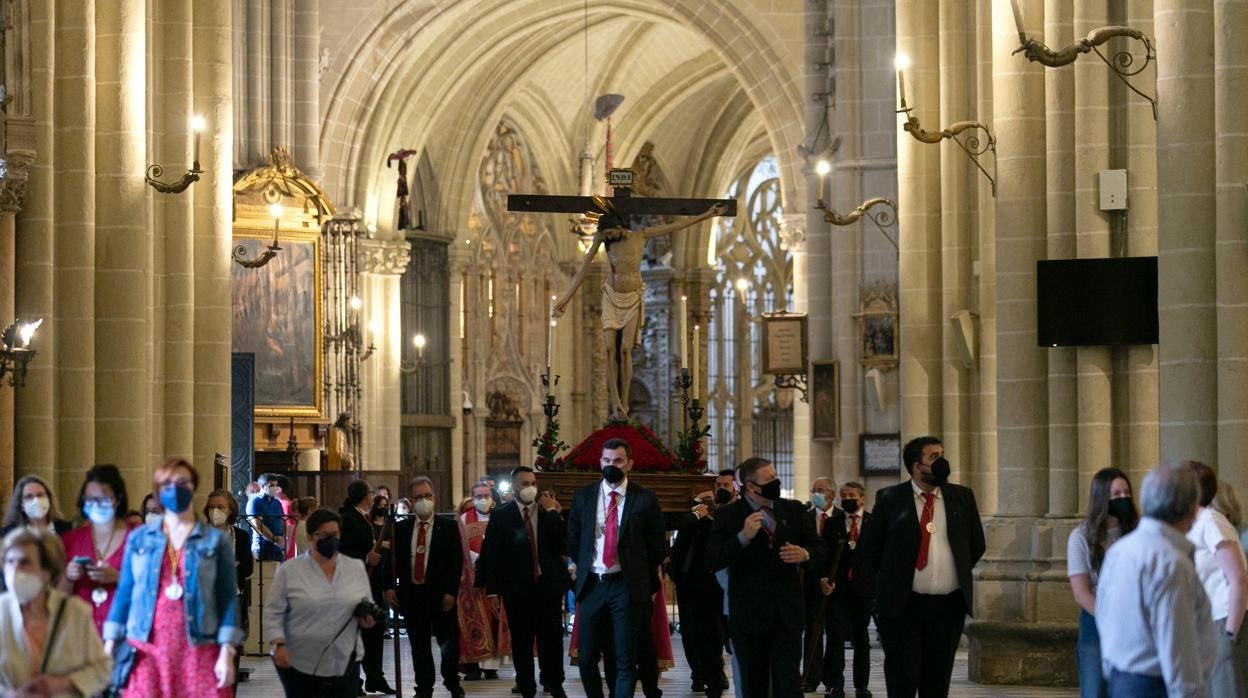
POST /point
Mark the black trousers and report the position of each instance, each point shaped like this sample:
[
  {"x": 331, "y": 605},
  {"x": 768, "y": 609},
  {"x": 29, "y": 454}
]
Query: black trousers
[
  {"x": 536, "y": 617},
  {"x": 701, "y": 605},
  {"x": 425, "y": 619},
  {"x": 297, "y": 684},
  {"x": 849, "y": 615},
  {"x": 920, "y": 645},
  {"x": 769, "y": 661},
  {"x": 647, "y": 657},
  {"x": 609, "y": 618}
]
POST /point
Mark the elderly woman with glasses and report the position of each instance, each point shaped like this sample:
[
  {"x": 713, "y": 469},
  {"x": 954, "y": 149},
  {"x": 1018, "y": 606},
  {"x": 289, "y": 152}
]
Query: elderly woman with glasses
[{"x": 176, "y": 607}]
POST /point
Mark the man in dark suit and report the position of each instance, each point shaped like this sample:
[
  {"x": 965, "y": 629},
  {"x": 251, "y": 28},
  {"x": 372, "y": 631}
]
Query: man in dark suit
[
  {"x": 358, "y": 542},
  {"x": 698, "y": 596},
  {"x": 921, "y": 543},
  {"x": 615, "y": 530},
  {"x": 849, "y": 592},
  {"x": 532, "y": 589},
  {"x": 428, "y": 562},
  {"x": 814, "y": 650},
  {"x": 765, "y": 542}
]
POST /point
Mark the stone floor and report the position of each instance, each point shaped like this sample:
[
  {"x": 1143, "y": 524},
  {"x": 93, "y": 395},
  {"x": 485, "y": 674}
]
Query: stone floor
[{"x": 675, "y": 683}]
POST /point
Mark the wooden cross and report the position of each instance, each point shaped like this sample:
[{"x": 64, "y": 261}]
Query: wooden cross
[{"x": 621, "y": 181}]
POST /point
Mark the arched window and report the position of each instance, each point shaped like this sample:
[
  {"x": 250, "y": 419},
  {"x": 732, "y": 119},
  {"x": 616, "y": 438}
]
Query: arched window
[{"x": 747, "y": 415}]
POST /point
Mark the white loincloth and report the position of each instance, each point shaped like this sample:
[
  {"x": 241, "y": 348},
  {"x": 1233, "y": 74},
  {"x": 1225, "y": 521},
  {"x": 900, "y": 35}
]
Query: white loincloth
[{"x": 620, "y": 308}]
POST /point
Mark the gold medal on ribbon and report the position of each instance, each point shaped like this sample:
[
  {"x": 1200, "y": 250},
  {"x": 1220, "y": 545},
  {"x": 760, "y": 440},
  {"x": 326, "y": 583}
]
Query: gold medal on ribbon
[
  {"x": 420, "y": 550},
  {"x": 931, "y": 526},
  {"x": 173, "y": 592},
  {"x": 853, "y": 544},
  {"x": 98, "y": 596}
]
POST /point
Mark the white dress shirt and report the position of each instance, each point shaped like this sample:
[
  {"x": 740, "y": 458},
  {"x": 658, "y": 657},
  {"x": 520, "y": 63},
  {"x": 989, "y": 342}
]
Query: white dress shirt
[
  {"x": 940, "y": 576},
  {"x": 600, "y": 531},
  {"x": 857, "y": 515},
  {"x": 1152, "y": 613},
  {"x": 428, "y": 539}
]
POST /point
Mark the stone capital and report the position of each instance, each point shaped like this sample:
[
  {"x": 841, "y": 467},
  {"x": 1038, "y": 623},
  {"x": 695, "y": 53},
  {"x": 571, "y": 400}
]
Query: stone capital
[
  {"x": 387, "y": 257},
  {"x": 793, "y": 232},
  {"x": 15, "y": 178}
]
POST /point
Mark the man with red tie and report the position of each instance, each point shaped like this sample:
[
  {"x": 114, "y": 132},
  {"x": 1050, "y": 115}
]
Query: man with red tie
[
  {"x": 615, "y": 532},
  {"x": 849, "y": 599},
  {"x": 921, "y": 543},
  {"x": 822, "y": 498},
  {"x": 428, "y": 558}
]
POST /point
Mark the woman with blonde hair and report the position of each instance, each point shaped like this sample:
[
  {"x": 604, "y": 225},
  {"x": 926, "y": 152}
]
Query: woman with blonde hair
[{"x": 48, "y": 642}]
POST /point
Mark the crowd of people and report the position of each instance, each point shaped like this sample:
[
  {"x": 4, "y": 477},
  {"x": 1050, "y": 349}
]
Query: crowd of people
[{"x": 153, "y": 601}]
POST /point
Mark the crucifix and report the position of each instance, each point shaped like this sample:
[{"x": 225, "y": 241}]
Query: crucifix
[{"x": 623, "y": 293}]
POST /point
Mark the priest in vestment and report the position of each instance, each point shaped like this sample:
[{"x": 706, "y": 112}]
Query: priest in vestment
[{"x": 483, "y": 636}]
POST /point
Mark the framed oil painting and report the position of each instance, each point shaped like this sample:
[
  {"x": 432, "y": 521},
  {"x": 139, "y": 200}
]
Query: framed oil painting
[
  {"x": 825, "y": 401},
  {"x": 879, "y": 454},
  {"x": 276, "y": 313},
  {"x": 877, "y": 329}
]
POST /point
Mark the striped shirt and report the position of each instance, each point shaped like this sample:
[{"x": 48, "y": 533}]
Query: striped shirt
[{"x": 1152, "y": 612}]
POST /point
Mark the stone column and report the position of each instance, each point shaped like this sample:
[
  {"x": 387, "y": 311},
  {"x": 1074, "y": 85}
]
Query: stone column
[
  {"x": 278, "y": 42},
  {"x": 459, "y": 258},
  {"x": 1187, "y": 217},
  {"x": 12, "y": 191},
  {"x": 1230, "y": 76},
  {"x": 213, "y": 231},
  {"x": 793, "y": 239},
  {"x": 35, "y": 433},
  {"x": 74, "y": 214},
  {"x": 305, "y": 110},
  {"x": 919, "y": 195},
  {"x": 381, "y": 264},
  {"x": 1061, "y": 226},
  {"x": 984, "y": 479}
]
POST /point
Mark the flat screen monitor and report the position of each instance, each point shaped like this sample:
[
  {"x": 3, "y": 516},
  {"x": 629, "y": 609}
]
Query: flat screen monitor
[{"x": 1089, "y": 302}]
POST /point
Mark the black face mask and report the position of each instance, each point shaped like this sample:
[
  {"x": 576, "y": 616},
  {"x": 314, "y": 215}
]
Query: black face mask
[
  {"x": 613, "y": 474},
  {"x": 722, "y": 497},
  {"x": 849, "y": 505},
  {"x": 327, "y": 546},
  {"x": 940, "y": 473},
  {"x": 1122, "y": 509},
  {"x": 770, "y": 490}
]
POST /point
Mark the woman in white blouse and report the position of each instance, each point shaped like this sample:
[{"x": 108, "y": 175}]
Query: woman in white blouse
[
  {"x": 1223, "y": 571},
  {"x": 48, "y": 642}
]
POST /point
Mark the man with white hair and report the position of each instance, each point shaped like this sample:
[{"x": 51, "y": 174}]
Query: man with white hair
[{"x": 1157, "y": 636}]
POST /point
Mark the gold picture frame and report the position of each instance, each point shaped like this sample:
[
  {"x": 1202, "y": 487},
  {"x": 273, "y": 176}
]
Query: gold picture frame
[
  {"x": 878, "y": 329},
  {"x": 784, "y": 343},
  {"x": 276, "y": 314}
]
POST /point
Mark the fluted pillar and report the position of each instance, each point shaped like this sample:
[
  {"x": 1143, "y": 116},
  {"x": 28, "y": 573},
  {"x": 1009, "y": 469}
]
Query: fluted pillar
[
  {"x": 1187, "y": 218},
  {"x": 12, "y": 192},
  {"x": 213, "y": 231},
  {"x": 382, "y": 263},
  {"x": 1230, "y": 77},
  {"x": 985, "y": 477},
  {"x": 305, "y": 88},
  {"x": 793, "y": 239},
  {"x": 74, "y": 213}
]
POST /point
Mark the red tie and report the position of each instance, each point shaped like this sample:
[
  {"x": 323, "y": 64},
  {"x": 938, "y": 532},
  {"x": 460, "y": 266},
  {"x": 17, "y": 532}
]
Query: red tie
[
  {"x": 819, "y": 523},
  {"x": 925, "y": 521},
  {"x": 610, "y": 534},
  {"x": 418, "y": 560},
  {"x": 769, "y": 524},
  {"x": 528, "y": 528},
  {"x": 853, "y": 538}
]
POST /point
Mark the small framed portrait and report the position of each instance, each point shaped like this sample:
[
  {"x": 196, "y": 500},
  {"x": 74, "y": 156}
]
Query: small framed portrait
[
  {"x": 825, "y": 402},
  {"x": 879, "y": 454},
  {"x": 877, "y": 329},
  {"x": 784, "y": 343}
]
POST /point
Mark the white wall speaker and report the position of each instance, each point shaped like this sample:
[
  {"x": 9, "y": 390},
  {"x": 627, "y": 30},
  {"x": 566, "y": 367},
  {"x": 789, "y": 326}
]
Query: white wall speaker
[
  {"x": 875, "y": 388},
  {"x": 963, "y": 325}
]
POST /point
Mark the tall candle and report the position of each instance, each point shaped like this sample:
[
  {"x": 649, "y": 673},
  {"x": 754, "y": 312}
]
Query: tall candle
[
  {"x": 694, "y": 367},
  {"x": 550, "y": 330},
  {"x": 1018, "y": 20},
  {"x": 684, "y": 332}
]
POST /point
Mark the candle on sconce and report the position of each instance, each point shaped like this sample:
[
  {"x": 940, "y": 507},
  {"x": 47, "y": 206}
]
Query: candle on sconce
[
  {"x": 684, "y": 332},
  {"x": 1018, "y": 20},
  {"x": 822, "y": 168},
  {"x": 419, "y": 342},
  {"x": 694, "y": 368},
  {"x": 902, "y": 63},
  {"x": 197, "y": 127},
  {"x": 550, "y": 331}
]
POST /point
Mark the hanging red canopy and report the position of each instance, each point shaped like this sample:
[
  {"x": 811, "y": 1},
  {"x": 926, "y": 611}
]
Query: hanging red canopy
[{"x": 649, "y": 454}]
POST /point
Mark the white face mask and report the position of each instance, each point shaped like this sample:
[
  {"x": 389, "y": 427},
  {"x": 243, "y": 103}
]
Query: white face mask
[
  {"x": 482, "y": 505},
  {"x": 401, "y": 510},
  {"x": 424, "y": 508},
  {"x": 218, "y": 517},
  {"x": 527, "y": 495},
  {"x": 37, "y": 507},
  {"x": 24, "y": 585},
  {"x": 151, "y": 518},
  {"x": 272, "y": 491}
]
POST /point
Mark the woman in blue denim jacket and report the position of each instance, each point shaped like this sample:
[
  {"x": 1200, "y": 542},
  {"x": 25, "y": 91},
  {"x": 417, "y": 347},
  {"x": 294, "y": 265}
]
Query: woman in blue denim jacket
[{"x": 176, "y": 606}]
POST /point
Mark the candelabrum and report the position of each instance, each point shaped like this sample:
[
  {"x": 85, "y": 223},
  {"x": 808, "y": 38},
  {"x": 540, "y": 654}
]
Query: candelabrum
[
  {"x": 16, "y": 353},
  {"x": 275, "y": 210},
  {"x": 1123, "y": 64},
  {"x": 154, "y": 172},
  {"x": 548, "y": 444},
  {"x": 689, "y": 440}
]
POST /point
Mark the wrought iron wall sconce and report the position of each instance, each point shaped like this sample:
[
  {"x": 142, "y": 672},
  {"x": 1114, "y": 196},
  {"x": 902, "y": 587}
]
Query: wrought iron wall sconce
[
  {"x": 884, "y": 217},
  {"x": 154, "y": 172},
  {"x": 963, "y": 133},
  {"x": 16, "y": 353},
  {"x": 1123, "y": 63},
  {"x": 410, "y": 367},
  {"x": 270, "y": 251}
]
